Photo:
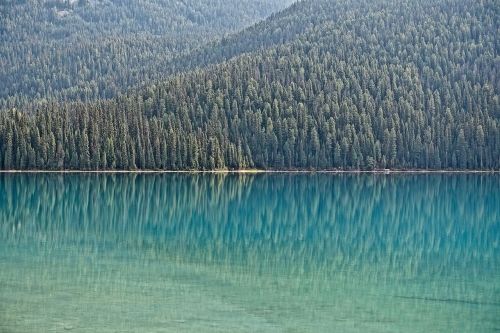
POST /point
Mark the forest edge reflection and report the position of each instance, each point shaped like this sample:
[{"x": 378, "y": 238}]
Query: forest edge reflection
[{"x": 430, "y": 239}]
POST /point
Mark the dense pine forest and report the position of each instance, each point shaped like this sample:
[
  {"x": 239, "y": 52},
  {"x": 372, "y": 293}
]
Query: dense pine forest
[
  {"x": 90, "y": 49},
  {"x": 352, "y": 84}
]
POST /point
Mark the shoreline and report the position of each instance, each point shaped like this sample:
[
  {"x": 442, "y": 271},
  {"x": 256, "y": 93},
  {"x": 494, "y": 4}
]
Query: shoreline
[{"x": 254, "y": 171}]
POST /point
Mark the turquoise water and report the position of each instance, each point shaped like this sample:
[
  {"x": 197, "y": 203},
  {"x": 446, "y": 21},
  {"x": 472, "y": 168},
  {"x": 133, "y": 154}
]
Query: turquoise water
[{"x": 249, "y": 253}]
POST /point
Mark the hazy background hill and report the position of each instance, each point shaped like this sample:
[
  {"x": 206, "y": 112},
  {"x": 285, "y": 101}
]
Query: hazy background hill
[{"x": 88, "y": 49}]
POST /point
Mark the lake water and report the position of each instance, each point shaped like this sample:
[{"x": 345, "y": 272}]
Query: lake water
[{"x": 249, "y": 253}]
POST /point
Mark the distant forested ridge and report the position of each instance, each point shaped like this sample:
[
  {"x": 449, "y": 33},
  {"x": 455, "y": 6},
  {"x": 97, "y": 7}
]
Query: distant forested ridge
[
  {"x": 90, "y": 49},
  {"x": 342, "y": 85}
]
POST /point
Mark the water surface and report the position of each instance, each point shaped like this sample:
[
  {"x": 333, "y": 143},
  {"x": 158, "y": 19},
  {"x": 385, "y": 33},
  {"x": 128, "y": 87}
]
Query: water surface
[{"x": 249, "y": 253}]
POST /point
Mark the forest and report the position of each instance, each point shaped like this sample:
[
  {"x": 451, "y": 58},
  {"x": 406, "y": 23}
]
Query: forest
[
  {"x": 321, "y": 85},
  {"x": 91, "y": 49}
]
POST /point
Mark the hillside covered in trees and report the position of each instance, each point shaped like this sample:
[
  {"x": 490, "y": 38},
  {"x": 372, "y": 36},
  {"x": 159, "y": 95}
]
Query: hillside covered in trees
[
  {"x": 322, "y": 85},
  {"x": 89, "y": 49}
]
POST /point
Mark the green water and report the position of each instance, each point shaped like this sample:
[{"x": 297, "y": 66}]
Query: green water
[{"x": 240, "y": 253}]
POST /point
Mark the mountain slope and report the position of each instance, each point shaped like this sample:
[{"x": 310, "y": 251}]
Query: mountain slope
[
  {"x": 88, "y": 49},
  {"x": 368, "y": 84},
  {"x": 278, "y": 29}
]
